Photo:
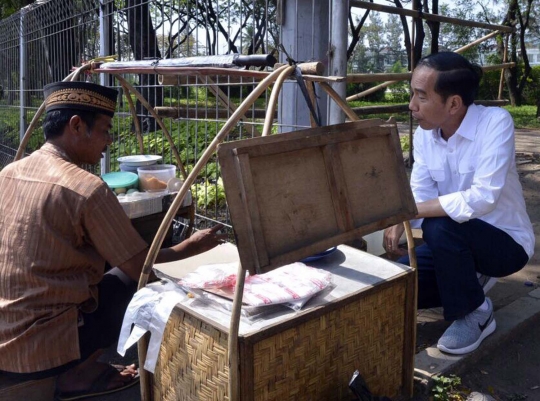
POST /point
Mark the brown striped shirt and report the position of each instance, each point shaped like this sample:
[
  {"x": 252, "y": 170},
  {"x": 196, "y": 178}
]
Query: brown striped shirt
[{"x": 58, "y": 226}]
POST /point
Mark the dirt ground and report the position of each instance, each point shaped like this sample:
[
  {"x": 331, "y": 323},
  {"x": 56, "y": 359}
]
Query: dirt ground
[{"x": 512, "y": 371}]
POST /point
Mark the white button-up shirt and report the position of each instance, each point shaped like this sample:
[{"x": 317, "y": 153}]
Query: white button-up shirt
[{"x": 474, "y": 174}]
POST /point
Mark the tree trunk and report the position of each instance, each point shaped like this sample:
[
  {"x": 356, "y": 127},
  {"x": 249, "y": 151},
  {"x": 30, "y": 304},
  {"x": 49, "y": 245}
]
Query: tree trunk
[
  {"x": 511, "y": 74},
  {"x": 406, "y": 34},
  {"x": 434, "y": 26},
  {"x": 143, "y": 43},
  {"x": 62, "y": 51},
  {"x": 419, "y": 35}
]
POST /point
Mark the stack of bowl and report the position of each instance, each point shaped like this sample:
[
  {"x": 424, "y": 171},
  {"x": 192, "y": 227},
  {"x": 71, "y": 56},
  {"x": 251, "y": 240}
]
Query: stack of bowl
[{"x": 131, "y": 163}]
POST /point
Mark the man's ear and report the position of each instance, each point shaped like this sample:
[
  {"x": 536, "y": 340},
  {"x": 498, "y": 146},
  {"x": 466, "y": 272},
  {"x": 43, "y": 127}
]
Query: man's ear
[
  {"x": 76, "y": 125},
  {"x": 455, "y": 103}
]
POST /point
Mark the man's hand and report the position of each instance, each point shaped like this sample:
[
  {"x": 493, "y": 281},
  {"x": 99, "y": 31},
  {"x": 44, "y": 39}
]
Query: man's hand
[
  {"x": 204, "y": 240},
  {"x": 391, "y": 240}
]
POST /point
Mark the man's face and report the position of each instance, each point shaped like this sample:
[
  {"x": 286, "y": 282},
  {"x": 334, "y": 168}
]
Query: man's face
[
  {"x": 428, "y": 107},
  {"x": 96, "y": 140}
]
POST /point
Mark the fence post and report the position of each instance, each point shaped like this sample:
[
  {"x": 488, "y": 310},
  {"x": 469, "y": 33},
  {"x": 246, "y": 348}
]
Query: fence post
[
  {"x": 338, "y": 56},
  {"x": 22, "y": 72},
  {"x": 305, "y": 36},
  {"x": 105, "y": 50}
]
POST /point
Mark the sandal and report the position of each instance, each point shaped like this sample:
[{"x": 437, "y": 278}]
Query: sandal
[{"x": 100, "y": 384}]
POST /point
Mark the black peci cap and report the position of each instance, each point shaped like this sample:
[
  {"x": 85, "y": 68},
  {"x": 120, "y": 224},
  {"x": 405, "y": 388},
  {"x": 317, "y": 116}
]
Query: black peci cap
[{"x": 80, "y": 96}]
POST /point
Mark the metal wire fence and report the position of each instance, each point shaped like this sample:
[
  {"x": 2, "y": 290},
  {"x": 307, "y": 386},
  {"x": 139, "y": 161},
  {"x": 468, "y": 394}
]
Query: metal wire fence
[{"x": 44, "y": 41}]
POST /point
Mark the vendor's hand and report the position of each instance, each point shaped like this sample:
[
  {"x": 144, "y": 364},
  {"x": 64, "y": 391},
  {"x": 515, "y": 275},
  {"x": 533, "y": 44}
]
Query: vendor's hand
[
  {"x": 204, "y": 240},
  {"x": 391, "y": 239}
]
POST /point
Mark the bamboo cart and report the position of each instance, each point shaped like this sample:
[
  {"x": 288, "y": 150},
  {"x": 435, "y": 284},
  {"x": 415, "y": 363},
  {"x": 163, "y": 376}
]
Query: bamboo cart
[{"x": 356, "y": 171}]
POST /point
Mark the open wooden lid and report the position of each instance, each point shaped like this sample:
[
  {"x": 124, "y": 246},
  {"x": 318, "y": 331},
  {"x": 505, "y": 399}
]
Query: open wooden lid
[{"x": 297, "y": 194}]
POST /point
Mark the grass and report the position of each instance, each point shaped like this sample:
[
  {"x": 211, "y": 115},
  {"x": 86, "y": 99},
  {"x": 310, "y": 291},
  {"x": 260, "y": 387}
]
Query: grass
[{"x": 524, "y": 116}]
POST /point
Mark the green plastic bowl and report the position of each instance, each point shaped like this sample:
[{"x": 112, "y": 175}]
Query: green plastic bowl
[{"x": 121, "y": 181}]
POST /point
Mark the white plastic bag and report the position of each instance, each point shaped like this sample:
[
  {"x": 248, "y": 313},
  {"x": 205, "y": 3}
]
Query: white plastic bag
[{"x": 149, "y": 310}]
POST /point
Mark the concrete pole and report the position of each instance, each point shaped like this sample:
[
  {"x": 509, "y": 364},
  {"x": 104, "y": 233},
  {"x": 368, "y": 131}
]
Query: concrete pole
[
  {"x": 305, "y": 37},
  {"x": 104, "y": 50},
  {"x": 23, "y": 72},
  {"x": 338, "y": 59}
]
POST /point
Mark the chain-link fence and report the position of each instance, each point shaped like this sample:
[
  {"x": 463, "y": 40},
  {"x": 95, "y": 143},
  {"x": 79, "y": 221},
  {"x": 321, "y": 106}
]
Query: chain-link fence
[{"x": 44, "y": 42}]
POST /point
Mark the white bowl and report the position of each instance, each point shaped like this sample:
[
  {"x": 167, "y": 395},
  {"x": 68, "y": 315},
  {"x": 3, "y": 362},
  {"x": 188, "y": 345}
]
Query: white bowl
[{"x": 139, "y": 160}]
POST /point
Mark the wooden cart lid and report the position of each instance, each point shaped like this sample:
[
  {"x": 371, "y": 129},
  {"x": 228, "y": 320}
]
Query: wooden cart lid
[{"x": 297, "y": 194}]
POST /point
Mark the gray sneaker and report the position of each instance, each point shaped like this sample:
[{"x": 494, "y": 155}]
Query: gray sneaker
[
  {"x": 465, "y": 335},
  {"x": 486, "y": 282}
]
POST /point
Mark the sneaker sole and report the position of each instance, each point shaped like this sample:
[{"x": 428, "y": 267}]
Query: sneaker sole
[{"x": 465, "y": 350}]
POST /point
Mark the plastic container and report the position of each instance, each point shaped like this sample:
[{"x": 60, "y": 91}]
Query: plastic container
[
  {"x": 155, "y": 178},
  {"x": 120, "y": 182}
]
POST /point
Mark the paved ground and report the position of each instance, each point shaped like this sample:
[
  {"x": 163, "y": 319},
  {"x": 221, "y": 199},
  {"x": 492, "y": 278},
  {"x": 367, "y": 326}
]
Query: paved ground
[{"x": 507, "y": 365}]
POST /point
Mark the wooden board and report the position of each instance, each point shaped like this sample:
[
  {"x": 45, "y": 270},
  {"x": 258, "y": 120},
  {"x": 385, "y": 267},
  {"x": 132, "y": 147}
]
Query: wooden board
[{"x": 296, "y": 194}]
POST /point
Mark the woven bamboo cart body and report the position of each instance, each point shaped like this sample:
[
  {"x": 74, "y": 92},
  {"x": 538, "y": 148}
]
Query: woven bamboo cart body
[
  {"x": 291, "y": 196},
  {"x": 366, "y": 322}
]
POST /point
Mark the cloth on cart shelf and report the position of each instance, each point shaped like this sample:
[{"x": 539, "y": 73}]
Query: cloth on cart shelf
[{"x": 149, "y": 310}]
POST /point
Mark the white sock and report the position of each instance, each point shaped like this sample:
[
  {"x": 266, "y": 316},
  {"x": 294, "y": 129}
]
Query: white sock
[{"x": 484, "y": 306}]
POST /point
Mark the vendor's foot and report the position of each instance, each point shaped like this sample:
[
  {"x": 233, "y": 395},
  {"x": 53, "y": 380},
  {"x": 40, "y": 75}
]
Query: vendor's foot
[
  {"x": 465, "y": 335},
  {"x": 95, "y": 378}
]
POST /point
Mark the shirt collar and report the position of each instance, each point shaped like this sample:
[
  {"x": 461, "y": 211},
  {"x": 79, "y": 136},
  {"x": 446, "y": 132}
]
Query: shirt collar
[
  {"x": 468, "y": 126},
  {"x": 56, "y": 151}
]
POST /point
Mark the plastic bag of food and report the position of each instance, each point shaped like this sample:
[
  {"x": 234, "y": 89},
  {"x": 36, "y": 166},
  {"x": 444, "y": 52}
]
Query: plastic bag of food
[{"x": 293, "y": 284}]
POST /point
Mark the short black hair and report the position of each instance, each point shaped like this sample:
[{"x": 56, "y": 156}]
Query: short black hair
[
  {"x": 55, "y": 121},
  {"x": 457, "y": 75}
]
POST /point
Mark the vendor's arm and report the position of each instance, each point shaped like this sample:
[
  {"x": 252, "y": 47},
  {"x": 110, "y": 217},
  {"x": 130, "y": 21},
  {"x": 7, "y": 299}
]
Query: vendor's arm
[{"x": 199, "y": 242}]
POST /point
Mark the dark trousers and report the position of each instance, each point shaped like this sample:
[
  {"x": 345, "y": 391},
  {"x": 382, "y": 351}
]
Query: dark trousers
[
  {"x": 101, "y": 328},
  {"x": 452, "y": 255}
]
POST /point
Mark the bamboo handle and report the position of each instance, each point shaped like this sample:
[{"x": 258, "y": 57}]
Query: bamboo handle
[
  {"x": 310, "y": 68},
  {"x": 269, "y": 119}
]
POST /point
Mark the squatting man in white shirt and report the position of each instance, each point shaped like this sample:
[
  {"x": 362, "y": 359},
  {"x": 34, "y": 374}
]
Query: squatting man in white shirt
[{"x": 469, "y": 199}]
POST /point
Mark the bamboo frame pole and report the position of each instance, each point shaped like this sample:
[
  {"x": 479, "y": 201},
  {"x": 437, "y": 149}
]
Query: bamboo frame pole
[
  {"x": 405, "y": 76},
  {"x": 160, "y": 235},
  {"x": 427, "y": 16},
  {"x": 498, "y": 66},
  {"x": 477, "y": 41},
  {"x": 133, "y": 111},
  {"x": 340, "y": 102},
  {"x": 269, "y": 119},
  {"x": 149, "y": 107},
  {"x": 371, "y": 90},
  {"x": 226, "y": 102},
  {"x": 410, "y": 247},
  {"x": 505, "y": 56},
  {"x": 234, "y": 378},
  {"x": 377, "y": 77},
  {"x": 406, "y": 224},
  {"x": 310, "y": 86}
]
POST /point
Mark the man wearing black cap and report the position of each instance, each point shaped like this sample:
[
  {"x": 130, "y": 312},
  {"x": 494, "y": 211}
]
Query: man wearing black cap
[{"x": 59, "y": 225}]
